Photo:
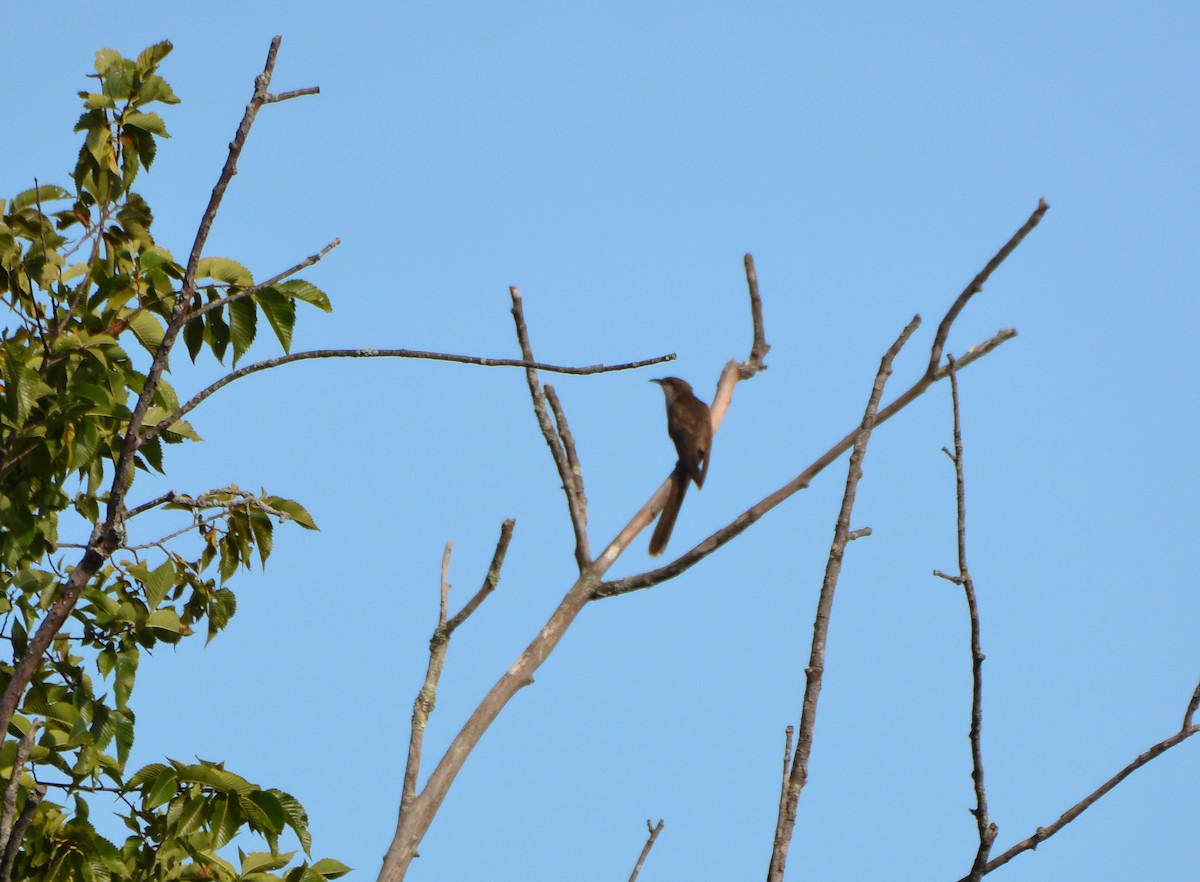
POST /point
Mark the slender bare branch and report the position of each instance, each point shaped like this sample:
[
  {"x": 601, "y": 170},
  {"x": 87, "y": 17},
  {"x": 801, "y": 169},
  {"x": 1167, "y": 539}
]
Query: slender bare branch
[
  {"x": 275, "y": 97},
  {"x": 439, "y": 644},
  {"x": 568, "y": 442},
  {"x": 9, "y": 811},
  {"x": 787, "y": 771},
  {"x": 575, "y": 505},
  {"x": 976, "y": 285},
  {"x": 109, "y": 534},
  {"x": 987, "y": 829},
  {"x": 254, "y": 289},
  {"x": 13, "y": 847},
  {"x": 1043, "y": 833},
  {"x": 743, "y": 521},
  {"x": 760, "y": 347},
  {"x": 798, "y": 775},
  {"x": 654, "y": 831},
  {"x": 267, "y": 364},
  {"x": 1191, "y": 709},
  {"x": 490, "y": 580}
]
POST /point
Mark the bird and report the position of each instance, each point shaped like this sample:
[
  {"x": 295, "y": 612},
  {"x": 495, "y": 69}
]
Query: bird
[{"x": 689, "y": 424}]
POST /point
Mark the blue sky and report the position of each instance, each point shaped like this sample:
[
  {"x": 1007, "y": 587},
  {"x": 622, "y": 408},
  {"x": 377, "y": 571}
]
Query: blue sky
[{"x": 615, "y": 161}]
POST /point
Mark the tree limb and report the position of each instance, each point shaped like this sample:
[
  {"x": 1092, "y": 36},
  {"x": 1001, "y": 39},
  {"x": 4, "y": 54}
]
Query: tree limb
[
  {"x": 576, "y": 506},
  {"x": 654, "y": 831},
  {"x": 798, "y": 775}
]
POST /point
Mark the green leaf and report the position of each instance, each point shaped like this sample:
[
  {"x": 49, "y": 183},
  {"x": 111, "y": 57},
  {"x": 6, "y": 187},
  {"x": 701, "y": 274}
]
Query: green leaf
[
  {"x": 158, "y": 583},
  {"x": 263, "y": 528},
  {"x": 149, "y": 57},
  {"x": 193, "y": 337},
  {"x": 330, "y": 869},
  {"x": 221, "y": 608},
  {"x": 270, "y": 812},
  {"x": 127, "y": 665},
  {"x": 222, "y": 269},
  {"x": 226, "y": 818},
  {"x": 147, "y": 328},
  {"x": 147, "y": 122},
  {"x": 152, "y": 451},
  {"x": 281, "y": 314},
  {"x": 43, "y": 193},
  {"x": 167, "y": 621},
  {"x": 294, "y": 510},
  {"x": 243, "y": 318},
  {"x": 306, "y": 291},
  {"x": 263, "y": 860},
  {"x": 161, "y": 790}
]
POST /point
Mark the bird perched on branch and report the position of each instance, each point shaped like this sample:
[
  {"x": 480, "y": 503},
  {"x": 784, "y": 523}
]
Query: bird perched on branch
[{"x": 690, "y": 426}]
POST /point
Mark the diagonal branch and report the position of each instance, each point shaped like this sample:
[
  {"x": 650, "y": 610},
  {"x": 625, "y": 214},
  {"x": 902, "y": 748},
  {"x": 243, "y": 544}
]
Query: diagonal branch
[
  {"x": 576, "y": 505},
  {"x": 798, "y": 776},
  {"x": 976, "y": 285},
  {"x": 274, "y": 280},
  {"x": 1043, "y": 833},
  {"x": 654, "y": 831},
  {"x": 568, "y": 442}
]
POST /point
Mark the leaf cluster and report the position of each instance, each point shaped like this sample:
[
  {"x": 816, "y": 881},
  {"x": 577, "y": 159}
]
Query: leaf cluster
[{"x": 91, "y": 298}]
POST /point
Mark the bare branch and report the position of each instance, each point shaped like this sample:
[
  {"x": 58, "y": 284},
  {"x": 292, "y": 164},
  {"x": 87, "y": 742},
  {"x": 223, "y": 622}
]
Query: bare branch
[
  {"x": 654, "y": 831},
  {"x": 267, "y": 364},
  {"x": 976, "y": 285},
  {"x": 13, "y": 847},
  {"x": 254, "y": 289},
  {"x": 9, "y": 811},
  {"x": 274, "y": 97},
  {"x": 787, "y": 771},
  {"x": 987, "y": 829},
  {"x": 575, "y": 506},
  {"x": 568, "y": 442},
  {"x": 490, "y": 580},
  {"x": 1044, "y": 833},
  {"x": 1191, "y": 709},
  {"x": 439, "y": 643},
  {"x": 798, "y": 776},
  {"x": 760, "y": 347}
]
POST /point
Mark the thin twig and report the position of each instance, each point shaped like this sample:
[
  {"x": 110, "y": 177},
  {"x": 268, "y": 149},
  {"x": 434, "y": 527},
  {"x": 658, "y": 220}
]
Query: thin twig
[
  {"x": 760, "y": 347},
  {"x": 9, "y": 812},
  {"x": 574, "y": 506},
  {"x": 798, "y": 776},
  {"x": 1191, "y": 709},
  {"x": 976, "y": 285},
  {"x": 267, "y": 364},
  {"x": 274, "y": 280},
  {"x": 654, "y": 831},
  {"x": 490, "y": 581},
  {"x": 568, "y": 442},
  {"x": 787, "y": 770},
  {"x": 987, "y": 829},
  {"x": 439, "y": 643},
  {"x": 13, "y": 847},
  {"x": 1043, "y": 833}
]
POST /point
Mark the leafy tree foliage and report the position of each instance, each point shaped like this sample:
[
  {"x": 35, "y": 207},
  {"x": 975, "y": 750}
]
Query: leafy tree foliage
[{"x": 92, "y": 298}]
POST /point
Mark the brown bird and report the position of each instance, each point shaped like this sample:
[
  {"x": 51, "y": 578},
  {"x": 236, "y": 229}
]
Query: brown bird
[{"x": 690, "y": 426}]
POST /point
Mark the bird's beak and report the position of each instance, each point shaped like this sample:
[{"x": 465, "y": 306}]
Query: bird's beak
[{"x": 660, "y": 382}]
